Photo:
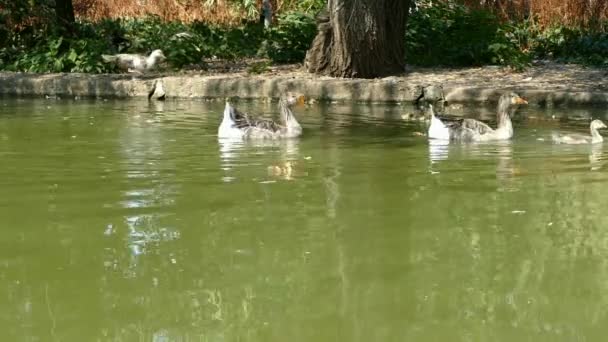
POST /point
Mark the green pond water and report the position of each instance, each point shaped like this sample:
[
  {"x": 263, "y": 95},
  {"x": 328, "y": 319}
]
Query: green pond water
[{"x": 129, "y": 221}]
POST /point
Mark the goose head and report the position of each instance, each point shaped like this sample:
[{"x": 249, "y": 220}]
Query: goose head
[
  {"x": 597, "y": 124},
  {"x": 506, "y": 101},
  {"x": 512, "y": 99},
  {"x": 158, "y": 55},
  {"x": 596, "y": 137},
  {"x": 292, "y": 99}
]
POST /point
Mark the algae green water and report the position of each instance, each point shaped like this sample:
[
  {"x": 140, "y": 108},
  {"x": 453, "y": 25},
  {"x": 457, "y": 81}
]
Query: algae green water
[{"x": 129, "y": 221}]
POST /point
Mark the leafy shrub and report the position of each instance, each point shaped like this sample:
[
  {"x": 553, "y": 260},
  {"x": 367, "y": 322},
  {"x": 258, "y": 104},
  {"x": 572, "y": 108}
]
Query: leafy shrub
[
  {"x": 46, "y": 50},
  {"x": 447, "y": 33},
  {"x": 290, "y": 39},
  {"x": 510, "y": 47},
  {"x": 572, "y": 45},
  {"x": 444, "y": 33},
  {"x": 56, "y": 54}
]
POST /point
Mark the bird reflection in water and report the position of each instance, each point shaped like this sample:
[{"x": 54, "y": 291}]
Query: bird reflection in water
[
  {"x": 156, "y": 106},
  {"x": 502, "y": 151},
  {"x": 231, "y": 150},
  {"x": 596, "y": 157},
  {"x": 438, "y": 151},
  {"x": 229, "y": 153},
  {"x": 506, "y": 170}
]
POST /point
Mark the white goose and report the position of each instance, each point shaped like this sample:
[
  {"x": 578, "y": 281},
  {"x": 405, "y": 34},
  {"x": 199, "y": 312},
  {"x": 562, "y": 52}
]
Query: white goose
[
  {"x": 577, "y": 139},
  {"x": 474, "y": 130},
  {"x": 236, "y": 124},
  {"x": 134, "y": 62}
]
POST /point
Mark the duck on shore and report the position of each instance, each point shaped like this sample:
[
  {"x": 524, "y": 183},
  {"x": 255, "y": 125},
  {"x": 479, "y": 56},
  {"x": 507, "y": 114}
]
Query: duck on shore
[
  {"x": 473, "y": 130},
  {"x": 134, "y": 62},
  {"x": 236, "y": 124},
  {"x": 577, "y": 139}
]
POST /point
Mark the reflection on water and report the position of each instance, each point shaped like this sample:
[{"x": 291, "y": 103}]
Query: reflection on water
[
  {"x": 438, "y": 150},
  {"x": 148, "y": 184},
  {"x": 596, "y": 156},
  {"x": 499, "y": 151},
  {"x": 235, "y": 153},
  {"x": 130, "y": 221}
]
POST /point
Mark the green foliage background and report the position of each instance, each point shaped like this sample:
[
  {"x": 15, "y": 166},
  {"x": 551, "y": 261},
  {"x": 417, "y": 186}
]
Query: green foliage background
[{"x": 442, "y": 34}]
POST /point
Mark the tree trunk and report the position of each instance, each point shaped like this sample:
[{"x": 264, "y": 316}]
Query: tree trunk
[
  {"x": 64, "y": 11},
  {"x": 363, "y": 38}
]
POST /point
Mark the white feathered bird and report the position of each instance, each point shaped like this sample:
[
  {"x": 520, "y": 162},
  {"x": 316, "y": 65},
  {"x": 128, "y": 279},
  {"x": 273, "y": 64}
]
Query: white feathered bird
[
  {"x": 135, "y": 62},
  {"x": 576, "y": 139}
]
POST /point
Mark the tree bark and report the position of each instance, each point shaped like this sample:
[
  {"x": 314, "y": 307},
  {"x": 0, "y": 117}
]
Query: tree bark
[
  {"x": 317, "y": 57},
  {"x": 64, "y": 11},
  {"x": 360, "y": 38}
]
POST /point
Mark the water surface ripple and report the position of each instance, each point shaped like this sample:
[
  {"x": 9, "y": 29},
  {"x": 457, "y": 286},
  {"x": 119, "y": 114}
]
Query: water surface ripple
[{"x": 130, "y": 221}]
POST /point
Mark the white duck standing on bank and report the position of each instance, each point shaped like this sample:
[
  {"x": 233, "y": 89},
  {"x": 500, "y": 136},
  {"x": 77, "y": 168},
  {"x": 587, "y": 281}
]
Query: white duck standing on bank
[
  {"x": 474, "y": 130},
  {"x": 577, "y": 139},
  {"x": 236, "y": 124},
  {"x": 134, "y": 62}
]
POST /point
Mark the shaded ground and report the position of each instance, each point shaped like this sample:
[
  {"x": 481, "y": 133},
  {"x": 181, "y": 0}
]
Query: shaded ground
[{"x": 542, "y": 75}]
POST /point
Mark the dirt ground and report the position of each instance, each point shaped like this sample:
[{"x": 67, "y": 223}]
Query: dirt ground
[{"x": 542, "y": 74}]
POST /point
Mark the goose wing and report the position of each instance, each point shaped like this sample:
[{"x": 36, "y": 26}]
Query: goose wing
[
  {"x": 465, "y": 130},
  {"x": 127, "y": 60},
  {"x": 459, "y": 132},
  {"x": 476, "y": 126},
  {"x": 127, "y": 57},
  {"x": 449, "y": 121},
  {"x": 246, "y": 121},
  {"x": 570, "y": 138},
  {"x": 465, "y": 123}
]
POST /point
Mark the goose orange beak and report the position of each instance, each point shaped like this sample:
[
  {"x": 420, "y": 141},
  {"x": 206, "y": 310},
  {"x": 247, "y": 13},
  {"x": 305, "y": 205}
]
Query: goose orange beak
[
  {"x": 521, "y": 101},
  {"x": 300, "y": 100}
]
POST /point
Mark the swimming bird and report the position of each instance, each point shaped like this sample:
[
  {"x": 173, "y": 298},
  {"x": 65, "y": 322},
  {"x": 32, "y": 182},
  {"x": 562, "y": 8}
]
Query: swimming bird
[
  {"x": 134, "y": 62},
  {"x": 236, "y": 124},
  {"x": 474, "y": 130},
  {"x": 576, "y": 139}
]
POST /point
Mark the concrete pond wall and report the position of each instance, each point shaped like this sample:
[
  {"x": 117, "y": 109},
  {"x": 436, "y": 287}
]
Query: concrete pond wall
[{"x": 543, "y": 85}]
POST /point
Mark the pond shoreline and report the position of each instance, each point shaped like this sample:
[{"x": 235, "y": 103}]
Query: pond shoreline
[{"x": 545, "y": 84}]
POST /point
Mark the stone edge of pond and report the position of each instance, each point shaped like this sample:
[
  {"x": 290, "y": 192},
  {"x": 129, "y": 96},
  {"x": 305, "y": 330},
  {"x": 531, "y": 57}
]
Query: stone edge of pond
[{"x": 390, "y": 89}]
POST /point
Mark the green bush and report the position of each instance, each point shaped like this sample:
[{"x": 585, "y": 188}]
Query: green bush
[
  {"x": 47, "y": 50},
  {"x": 451, "y": 34},
  {"x": 290, "y": 39},
  {"x": 444, "y": 33},
  {"x": 572, "y": 45},
  {"x": 57, "y": 54}
]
